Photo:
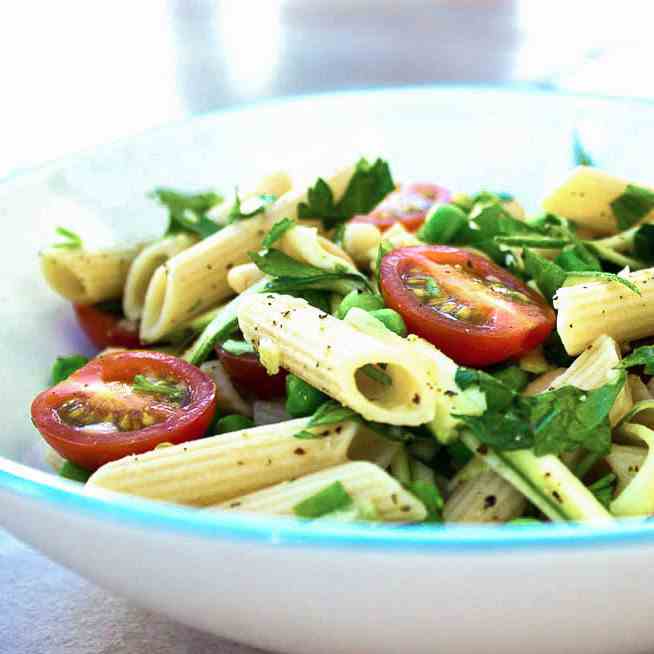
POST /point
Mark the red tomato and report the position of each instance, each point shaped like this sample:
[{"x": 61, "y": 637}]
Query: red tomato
[
  {"x": 408, "y": 205},
  {"x": 249, "y": 375},
  {"x": 468, "y": 307},
  {"x": 105, "y": 329},
  {"x": 100, "y": 413}
]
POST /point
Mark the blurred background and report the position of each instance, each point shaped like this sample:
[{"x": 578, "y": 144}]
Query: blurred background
[{"x": 79, "y": 73}]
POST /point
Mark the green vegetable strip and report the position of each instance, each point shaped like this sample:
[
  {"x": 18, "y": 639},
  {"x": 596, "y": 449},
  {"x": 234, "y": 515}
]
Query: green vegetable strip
[
  {"x": 221, "y": 327},
  {"x": 332, "y": 498},
  {"x": 545, "y": 481}
]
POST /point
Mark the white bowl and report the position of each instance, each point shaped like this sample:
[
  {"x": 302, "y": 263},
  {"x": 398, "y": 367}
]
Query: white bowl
[{"x": 282, "y": 584}]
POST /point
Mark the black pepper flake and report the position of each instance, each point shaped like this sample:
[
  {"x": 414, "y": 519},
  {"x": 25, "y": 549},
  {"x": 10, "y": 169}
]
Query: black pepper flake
[
  {"x": 299, "y": 451},
  {"x": 557, "y": 497},
  {"x": 286, "y": 314},
  {"x": 338, "y": 429},
  {"x": 239, "y": 463},
  {"x": 490, "y": 501},
  {"x": 322, "y": 316},
  {"x": 394, "y": 498},
  {"x": 416, "y": 399},
  {"x": 324, "y": 433},
  {"x": 450, "y": 393},
  {"x": 233, "y": 505},
  {"x": 269, "y": 462},
  {"x": 229, "y": 266},
  {"x": 209, "y": 266},
  {"x": 405, "y": 509},
  {"x": 482, "y": 449}
]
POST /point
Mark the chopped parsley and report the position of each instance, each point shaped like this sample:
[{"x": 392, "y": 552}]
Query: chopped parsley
[
  {"x": 603, "y": 489},
  {"x": 277, "y": 231},
  {"x": 431, "y": 497},
  {"x": 173, "y": 392},
  {"x": 259, "y": 204},
  {"x": 329, "y": 500},
  {"x": 72, "y": 241},
  {"x": 632, "y": 206},
  {"x": 642, "y": 356},
  {"x": 369, "y": 185},
  {"x": 329, "y": 413},
  {"x": 64, "y": 367},
  {"x": 553, "y": 422},
  {"x": 187, "y": 212}
]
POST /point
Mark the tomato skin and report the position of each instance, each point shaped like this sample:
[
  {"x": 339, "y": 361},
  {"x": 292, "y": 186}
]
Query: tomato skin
[
  {"x": 248, "y": 374},
  {"x": 510, "y": 328},
  {"x": 92, "y": 449},
  {"x": 408, "y": 205},
  {"x": 106, "y": 329}
]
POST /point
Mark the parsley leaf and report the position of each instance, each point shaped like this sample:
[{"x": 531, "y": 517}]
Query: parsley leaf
[
  {"x": 377, "y": 374},
  {"x": 258, "y": 203},
  {"x": 553, "y": 422},
  {"x": 642, "y": 356},
  {"x": 577, "y": 257},
  {"x": 369, "y": 185},
  {"x": 604, "y": 276},
  {"x": 499, "y": 396},
  {"x": 644, "y": 243},
  {"x": 430, "y": 496},
  {"x": 329, "y": 413},
  {"x": 64, "y": 367},
  {"x": 293, "y": 275},
  {"x": 632, "y": 206},
  {"x": 330, "y": 499},
  {"x": 72, "y": 240},
  {"x": 579, "y": 153},
  {"x": 277, "y": 231},
  {"x": 549, "y": 276},
  {"x": 187, "y": 211}
]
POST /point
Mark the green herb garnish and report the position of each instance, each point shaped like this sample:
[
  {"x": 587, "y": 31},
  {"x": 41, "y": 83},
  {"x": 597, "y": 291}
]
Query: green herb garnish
[
  {"x": 64, "y": 367},
  {"x": 187, "y": 211},
  {"x": 632, "y": 206},
  {"x": 277, "y": 231},
  {"x": 72, "y": 241},
  {"x": 369, "y": 185},
  {"x": 143, "y": 384},
  {"x": 332, "y": 498}
]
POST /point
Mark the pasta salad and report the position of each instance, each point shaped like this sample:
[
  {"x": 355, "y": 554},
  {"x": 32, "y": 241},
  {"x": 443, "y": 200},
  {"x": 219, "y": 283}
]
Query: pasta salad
[{"x": 360, "y": 349}]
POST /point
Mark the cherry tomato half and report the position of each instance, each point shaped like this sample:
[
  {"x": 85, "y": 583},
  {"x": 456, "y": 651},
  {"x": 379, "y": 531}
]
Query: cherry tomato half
[
  {"x": 467, "y": 306},
  {"x": 249, "y": 375},
  {"x": 124, "y": 403},
  {"x": 107, "y": 329},
  {"x": 408, "y": 205}
]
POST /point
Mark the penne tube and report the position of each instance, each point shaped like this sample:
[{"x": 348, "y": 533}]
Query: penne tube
[
  {"x": 366, "y": 483},
  {"x": 332, "y": 355},
  {"x": 640, "y": 393},
  {"x": 625, "y": 462},
  {"x": 589, "y": 310},
  {"x": 215, "y": 469},
  {"x": 143, "y": 267},
  {"x": 543, "y": 382},
  {"x": 240, "y": 278},
  {"x": 595, "y": 367},
  {"x": 585, "y": 198},
  {"x": 359, "y": 239},
  {"x": 485, "y": 497},
  {"x": 87, "y": 276},
  {"x": 196, "y": 279},
  {"x": 369, "y": 446},
  {"x": 306, "y": 245}
]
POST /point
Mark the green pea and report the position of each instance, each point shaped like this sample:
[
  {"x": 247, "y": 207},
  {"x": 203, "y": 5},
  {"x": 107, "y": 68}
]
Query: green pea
[
  {"x": 365, "y": 301},
  {"x": 302, "y": 399},
  {"x": 233, "y": 422},
  {"x": 392, "y": 320},
  {"x": 443, "y": 224},
  {"x": 72, "y": 471}
]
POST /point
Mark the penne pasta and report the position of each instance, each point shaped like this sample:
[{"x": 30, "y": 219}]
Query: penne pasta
[
  {"x": 331, "y": 355},
  {"x": 196, "y": 279},
  {"x": 593, "y": 368},
  {"x": 215, "y": 469},
  {"x": 589, "y": 310},
  {"x": 144, "y": 266},
  {"x": 87, "y": 276},
  {"x": 625, "y": 462},
  {"x": 359, "y": 239},
  {"x": 484, "y": 497},
  {"x": 585, "y": 198},
  {"x": 366, "y": 484},
  {"x": 240, "y": 278}
]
